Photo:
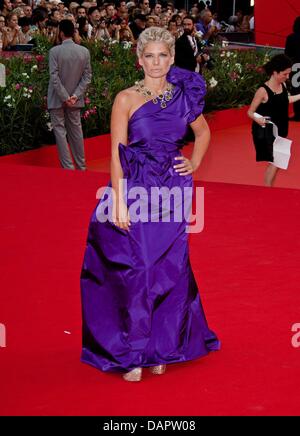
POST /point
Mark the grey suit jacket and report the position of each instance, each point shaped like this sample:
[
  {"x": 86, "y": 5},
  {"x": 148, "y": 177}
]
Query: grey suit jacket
[{"x": 70, "y": 73}]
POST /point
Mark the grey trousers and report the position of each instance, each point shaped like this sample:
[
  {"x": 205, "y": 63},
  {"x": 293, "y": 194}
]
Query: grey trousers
[{"x": 66, "y": 123}]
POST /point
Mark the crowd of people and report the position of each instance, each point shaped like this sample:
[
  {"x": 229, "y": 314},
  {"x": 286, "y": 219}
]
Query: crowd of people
[
  {"x": 123, "y": 22},
  {"x": 118, "y": 21}
]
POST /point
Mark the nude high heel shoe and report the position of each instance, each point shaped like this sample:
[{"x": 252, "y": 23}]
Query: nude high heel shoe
[
  {"x": 134, "y": 375},
  {"x": 158, "y": 370}
]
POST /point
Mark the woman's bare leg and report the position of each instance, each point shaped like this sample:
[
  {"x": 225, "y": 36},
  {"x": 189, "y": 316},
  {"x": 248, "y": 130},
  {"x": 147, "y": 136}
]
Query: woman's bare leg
[{"x": 270, "y": 175}]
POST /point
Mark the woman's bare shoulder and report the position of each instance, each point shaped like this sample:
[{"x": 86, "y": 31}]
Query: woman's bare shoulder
[
  {"x": 262, "y": 93},
  {"x": 126, "y": 98},
  {"x": 125, "y": 94}
]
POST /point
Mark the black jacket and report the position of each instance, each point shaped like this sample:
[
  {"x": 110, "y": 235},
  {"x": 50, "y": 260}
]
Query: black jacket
[
  {"x": 292, "y": 47},
  {"x": 184, "y": 54}
]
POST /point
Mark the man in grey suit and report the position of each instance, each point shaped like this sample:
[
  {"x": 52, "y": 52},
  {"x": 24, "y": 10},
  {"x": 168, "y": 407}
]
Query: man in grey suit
[{"x": 70, "y": 74}]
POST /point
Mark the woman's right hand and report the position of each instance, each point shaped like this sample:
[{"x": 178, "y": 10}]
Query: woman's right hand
[
  {"x": 121, "y": 216},
  {"x": 260, "y": 121}
]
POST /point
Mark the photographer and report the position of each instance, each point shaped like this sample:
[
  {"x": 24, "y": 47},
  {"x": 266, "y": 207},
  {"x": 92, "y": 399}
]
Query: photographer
[
  {"x": 82, "y": 24},
  {"x": 114, "y": 27},
  {"x": 205, "y": 26},
  {"x": 125, "y": 32},
  {"x": 52, "y": 32},
  {"x": 26, "y": 33},
  {"x": 101, "y": 33}
]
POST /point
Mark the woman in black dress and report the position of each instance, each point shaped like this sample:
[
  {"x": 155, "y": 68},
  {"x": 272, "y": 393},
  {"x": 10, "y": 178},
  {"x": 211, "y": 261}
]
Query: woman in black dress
[{"x": 271, "y": 100}]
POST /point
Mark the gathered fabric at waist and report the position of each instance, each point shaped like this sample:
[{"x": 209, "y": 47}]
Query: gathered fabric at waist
[{"x": 139, "y": 160}]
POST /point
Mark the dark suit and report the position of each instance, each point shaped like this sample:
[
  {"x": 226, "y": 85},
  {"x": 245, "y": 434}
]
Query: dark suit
[
  {"x": 70, "y": 74},
  {"x": 184, "y": 54}
]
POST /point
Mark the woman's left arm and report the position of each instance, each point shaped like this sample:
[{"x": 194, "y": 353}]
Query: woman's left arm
[
  {"x": 202, "y": 138},
  {"x": 294, "y": 98}
]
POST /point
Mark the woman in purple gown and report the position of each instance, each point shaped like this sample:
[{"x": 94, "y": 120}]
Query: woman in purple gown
[{"x": 140, "y": 302}]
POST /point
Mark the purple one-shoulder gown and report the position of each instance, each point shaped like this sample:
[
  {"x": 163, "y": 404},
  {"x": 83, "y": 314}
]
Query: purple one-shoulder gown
[{"x": 140, "y": 302}]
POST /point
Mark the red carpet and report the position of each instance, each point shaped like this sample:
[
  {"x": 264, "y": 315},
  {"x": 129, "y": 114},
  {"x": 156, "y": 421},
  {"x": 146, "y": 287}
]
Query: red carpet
[
  {"x": 230, "y": 157},
  {"x": 246, "y": 262}
]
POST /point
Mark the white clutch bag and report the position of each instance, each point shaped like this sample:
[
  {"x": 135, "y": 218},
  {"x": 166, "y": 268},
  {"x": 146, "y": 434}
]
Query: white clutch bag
[
  {"x": 281, "y": 148},
  {"x": 281, "y": 152}
]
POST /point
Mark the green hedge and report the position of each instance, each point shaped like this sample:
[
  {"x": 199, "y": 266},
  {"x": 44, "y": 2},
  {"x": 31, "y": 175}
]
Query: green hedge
[{"x": 25, "y": 121}]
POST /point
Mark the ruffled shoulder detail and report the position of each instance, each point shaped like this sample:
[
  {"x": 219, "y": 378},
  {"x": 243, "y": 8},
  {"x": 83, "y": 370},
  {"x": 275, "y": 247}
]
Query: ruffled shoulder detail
[{"x": 194, "y": 87}]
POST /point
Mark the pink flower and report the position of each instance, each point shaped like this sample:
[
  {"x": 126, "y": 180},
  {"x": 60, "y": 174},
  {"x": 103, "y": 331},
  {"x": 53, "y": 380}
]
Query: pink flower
[
  {"x": 87, "y": 100},
  {"x": 138, "y": 67},
  {"x": 27, "y": 58},
  {"x": 39, "y": 58},
  {"x": 18, "y": 86},
  {"x": 86, "y": 114},
  {"x": 259, "y": 70},
  {"x": 106, "y": 52},
  {"x": 234, "y": 76}
]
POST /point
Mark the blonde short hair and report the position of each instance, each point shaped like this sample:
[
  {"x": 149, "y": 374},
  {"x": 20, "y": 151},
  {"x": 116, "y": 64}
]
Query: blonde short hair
[{"x": 155, "y": 34}]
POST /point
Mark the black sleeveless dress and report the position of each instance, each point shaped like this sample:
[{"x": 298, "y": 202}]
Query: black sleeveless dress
[{"x": 277, "y": 107}]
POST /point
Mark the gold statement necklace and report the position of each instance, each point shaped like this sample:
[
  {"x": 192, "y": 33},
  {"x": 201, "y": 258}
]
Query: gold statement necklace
[{"x": 161, "y": 98}]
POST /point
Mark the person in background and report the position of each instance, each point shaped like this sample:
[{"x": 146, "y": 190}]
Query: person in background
[
  {"x": 122, "y": 10},
  {"x": 19, "y": 12},
  {"x": 215, "y": 21},
  {"x": 12, "y": 34},
  {"x": 138, "y": 25},
  {"x": 26, "y": 32},
  {"x": 150, "y": 21},
  {"x": 172, "y": 28},
  {"x": 111, "y": 12},
  {"x": 188, "y": 53},
  {"x": 80, "y": 12},
  {"x": 82, "y": 23},
  {"x": 94, "y": 20},
  {"x": 2, "y": 26},
  {"x": 204, "y": 25},
  {"x": 157, "y": 9},
  {"x": 66, "y": 95},
  {"x": 27, "y": 11},
  {"x": 52, "y": 32},
  {"x": 271, "y": 100},
  {"x": 144, "y": 5},
  {"x": 113, "y": 28},
  {"x": 7, "y": 8},
  {"x": 125, "y": 32},
  {"x": 101, "y": 32}
]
